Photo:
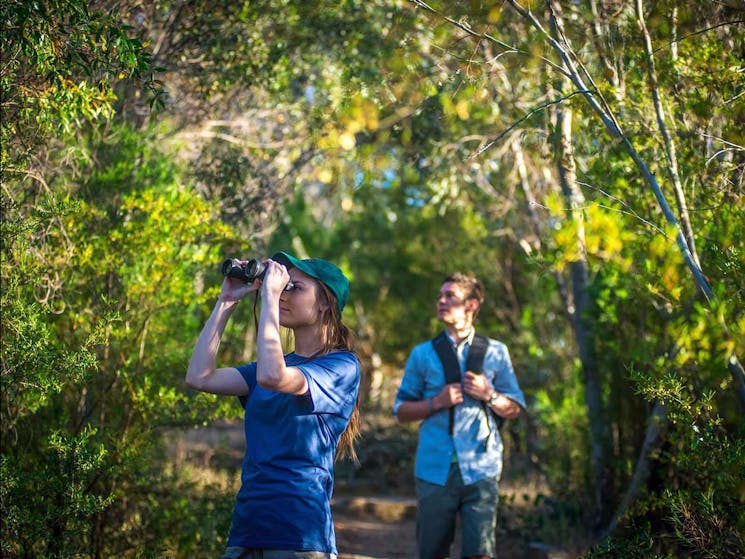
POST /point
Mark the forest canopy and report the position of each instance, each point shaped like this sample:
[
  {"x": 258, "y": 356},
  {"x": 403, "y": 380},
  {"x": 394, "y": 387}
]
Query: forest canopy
[{"x": 585, "y": 159}]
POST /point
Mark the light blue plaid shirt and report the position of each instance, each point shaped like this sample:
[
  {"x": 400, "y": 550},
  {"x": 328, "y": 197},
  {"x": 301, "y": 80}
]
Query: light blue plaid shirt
[{"x": 423, "y": 378}]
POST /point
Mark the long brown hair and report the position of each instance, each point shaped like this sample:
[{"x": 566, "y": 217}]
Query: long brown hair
[{"x": 337, "y": 336}]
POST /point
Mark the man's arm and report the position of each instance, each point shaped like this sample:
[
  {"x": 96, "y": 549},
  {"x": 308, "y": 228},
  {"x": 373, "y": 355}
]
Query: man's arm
[
  {"x": 478, "y": 387},
  {"x": 503, "y": 406},
  {"x": 450, "y": 395}
]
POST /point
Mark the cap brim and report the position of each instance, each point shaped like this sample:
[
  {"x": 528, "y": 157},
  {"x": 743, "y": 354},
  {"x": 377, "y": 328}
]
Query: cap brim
[
  {"x": 289, "y": 261},
  {"x": 286, "y": 260}
]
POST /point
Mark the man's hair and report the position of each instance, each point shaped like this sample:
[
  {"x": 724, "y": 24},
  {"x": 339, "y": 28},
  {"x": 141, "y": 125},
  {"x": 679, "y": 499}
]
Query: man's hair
[{"x": 472, "y": 286}]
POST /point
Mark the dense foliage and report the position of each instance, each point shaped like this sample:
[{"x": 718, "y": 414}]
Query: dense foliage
[{"x": 144, "y": 142}]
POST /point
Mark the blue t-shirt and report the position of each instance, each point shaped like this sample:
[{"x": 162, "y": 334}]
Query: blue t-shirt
[{"x": 288, "y": 471}]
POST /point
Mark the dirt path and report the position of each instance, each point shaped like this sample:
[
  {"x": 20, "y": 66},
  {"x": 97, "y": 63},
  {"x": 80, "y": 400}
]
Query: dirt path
[
  {"x": 370, "y": 525},
  {"x": 375, "y": 527},
  {"x": 385, "y": 528}
]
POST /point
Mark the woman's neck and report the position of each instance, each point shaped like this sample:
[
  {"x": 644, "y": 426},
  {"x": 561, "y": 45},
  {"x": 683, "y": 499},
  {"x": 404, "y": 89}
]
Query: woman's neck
[{"x": 308, "y": 342}]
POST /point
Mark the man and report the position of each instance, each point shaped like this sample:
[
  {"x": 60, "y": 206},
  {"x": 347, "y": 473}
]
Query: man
[{"x": 458, "y": 460}]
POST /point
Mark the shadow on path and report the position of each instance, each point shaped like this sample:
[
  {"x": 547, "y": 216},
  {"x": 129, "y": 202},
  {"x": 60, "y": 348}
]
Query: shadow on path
[{"x": 385, "y": 528}]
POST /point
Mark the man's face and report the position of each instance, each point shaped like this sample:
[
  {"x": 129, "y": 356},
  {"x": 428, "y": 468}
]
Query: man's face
[{"x": 452, "y": 307}]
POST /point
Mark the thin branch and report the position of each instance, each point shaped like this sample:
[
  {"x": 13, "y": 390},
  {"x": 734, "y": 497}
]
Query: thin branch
[
  {"x": 465, "y": 27},
  {"x": 699, "y": 32},
  {"x": 728, "y": 101},
  {"x": 523, "y": 119},
  {"x": 610, "y": 208},
  {"x": 737, "y": 146},
  {"x": 629, "y": 211},
  {"x": 233, "y": 139},
  {"x": 491, "y": 38},
  {"x": 721, "y": 151}
]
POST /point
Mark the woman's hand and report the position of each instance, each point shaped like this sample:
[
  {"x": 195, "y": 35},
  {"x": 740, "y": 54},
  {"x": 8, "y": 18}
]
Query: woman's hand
[
  {"x": 233, "y": 290},
  {"x": 275, "y": 279}
]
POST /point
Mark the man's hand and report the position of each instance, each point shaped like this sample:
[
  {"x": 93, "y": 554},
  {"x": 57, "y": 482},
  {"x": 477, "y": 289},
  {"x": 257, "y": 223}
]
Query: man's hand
[
  {"x": 477, "y": 386},
  {"x": 450, "y": 395}
]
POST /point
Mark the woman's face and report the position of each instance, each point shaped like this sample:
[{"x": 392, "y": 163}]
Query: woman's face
[{"x": 303, "y": 305}]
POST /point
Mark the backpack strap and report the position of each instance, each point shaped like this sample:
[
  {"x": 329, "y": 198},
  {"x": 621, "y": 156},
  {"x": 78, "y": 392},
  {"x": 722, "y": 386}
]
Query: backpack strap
[
  {"x": 450, "y": 365},
  {"x": 475, "y": 363},
  {"x": 476, "y": 353}
]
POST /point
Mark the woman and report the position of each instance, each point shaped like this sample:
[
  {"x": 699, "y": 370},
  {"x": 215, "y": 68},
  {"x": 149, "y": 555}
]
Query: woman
[{"x": 300, "y": 408}]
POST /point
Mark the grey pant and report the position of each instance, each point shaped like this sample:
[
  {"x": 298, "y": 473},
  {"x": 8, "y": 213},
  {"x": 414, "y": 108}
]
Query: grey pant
[
  {"x": 246, "y": 553},
  {"x": 437, "y": 507}
]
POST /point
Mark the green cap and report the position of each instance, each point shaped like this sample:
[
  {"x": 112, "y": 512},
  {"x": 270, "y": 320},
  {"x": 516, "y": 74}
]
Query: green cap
[{"x": 322, "y": 270}]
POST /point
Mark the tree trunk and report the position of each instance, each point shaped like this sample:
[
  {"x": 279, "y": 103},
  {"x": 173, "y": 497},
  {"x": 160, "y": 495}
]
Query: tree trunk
[
  {"x": 642, "y": 470},
  {"x": 581, "y": 323},
  {"x": 670, "y": 151}
]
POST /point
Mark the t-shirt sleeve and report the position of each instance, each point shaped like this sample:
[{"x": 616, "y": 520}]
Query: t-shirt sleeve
[
  {"x": 248, "y": 372},
  {"x": 333, "y": 382},
  {"x": 505, "y": 380},
  {"x": 412, "y": 384}
]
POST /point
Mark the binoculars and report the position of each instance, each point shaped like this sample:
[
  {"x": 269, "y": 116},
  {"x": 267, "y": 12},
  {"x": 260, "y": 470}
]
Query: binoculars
[{"x": 246, "y": 272}]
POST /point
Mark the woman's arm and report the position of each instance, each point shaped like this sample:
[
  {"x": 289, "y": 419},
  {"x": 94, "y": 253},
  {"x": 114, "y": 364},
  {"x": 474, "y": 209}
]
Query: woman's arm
[
  {"x": 202, "y": 373},
  {"x": 271, "y": 371}
]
